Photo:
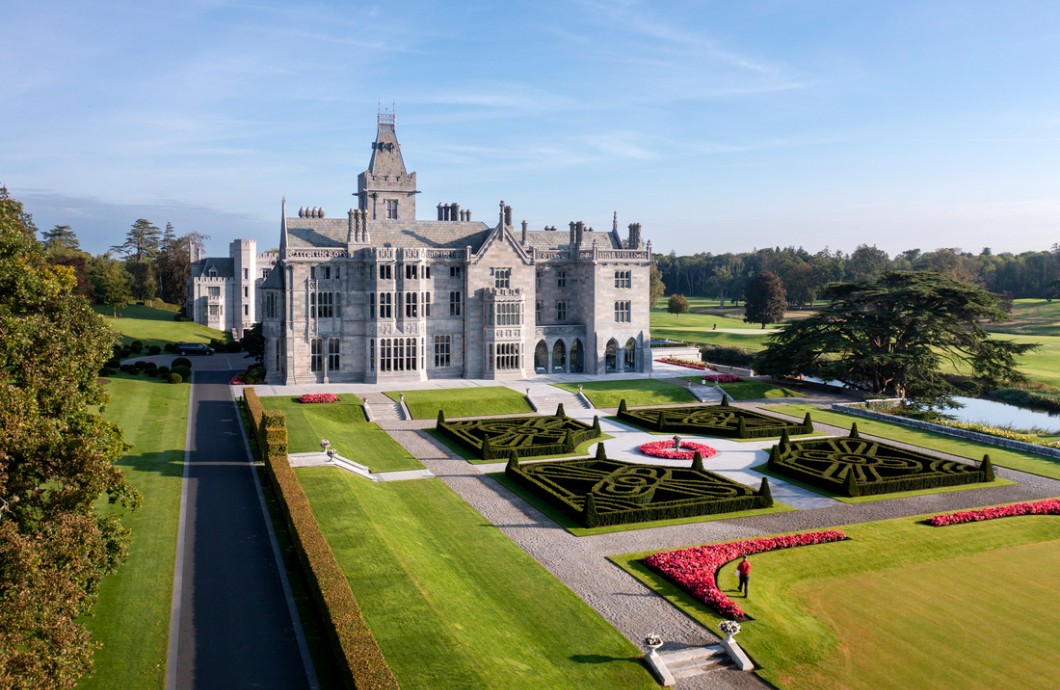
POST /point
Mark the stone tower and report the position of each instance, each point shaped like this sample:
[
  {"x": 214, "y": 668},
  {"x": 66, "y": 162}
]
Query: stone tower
[{"x": 386, "y": 191}]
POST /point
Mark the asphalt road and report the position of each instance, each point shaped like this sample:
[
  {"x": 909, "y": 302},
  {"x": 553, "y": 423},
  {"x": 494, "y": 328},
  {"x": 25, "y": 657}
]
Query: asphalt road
[{"x": 232, "y": 622}]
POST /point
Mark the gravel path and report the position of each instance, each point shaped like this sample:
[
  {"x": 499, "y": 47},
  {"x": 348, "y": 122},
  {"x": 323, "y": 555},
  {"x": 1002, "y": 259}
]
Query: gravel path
[{"x": 633, "y": 609}]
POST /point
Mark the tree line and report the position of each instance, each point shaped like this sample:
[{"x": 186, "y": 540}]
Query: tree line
[
  {"x": 150, "y": 264},
  {"x": 805, "y": 275}
]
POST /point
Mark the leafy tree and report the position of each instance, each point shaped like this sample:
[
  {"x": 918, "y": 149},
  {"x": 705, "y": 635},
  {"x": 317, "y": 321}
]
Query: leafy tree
[
  {"x": 677, "y": 304},
  {"x": 174, "y": 264},
  {"x": 897, "y": 335},
  {"x": 657, "y": 288},
  {"x": 56, "y": 459},
  {"x": 1054, "y": 290},
  {"x": 867, "y": 262},
  {"x": 141, "y": 247},
  {"x": 110, "y": 282},
  {"x": 254, "y": 342},
  {"x": 61, "y": 239},
  {"x": 764, "y": 299}
]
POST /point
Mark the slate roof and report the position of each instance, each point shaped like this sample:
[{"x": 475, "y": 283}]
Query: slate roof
[
  {"x": 305, "y": 233},
  {"x": 224, "y": 266}
]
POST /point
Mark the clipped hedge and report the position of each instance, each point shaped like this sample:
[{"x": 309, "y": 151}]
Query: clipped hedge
[
  {"x": 721, "y": 420},
  {"x": 854, "y": 466},
  {"x": 362, "y": 663},
  {"x": 493, "y": 439},
  {"x": 598, "y": 492}
]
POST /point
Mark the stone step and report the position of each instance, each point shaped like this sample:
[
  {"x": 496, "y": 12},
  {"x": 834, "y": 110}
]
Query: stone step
[
  {"x": 693, "y": 661},
  {"x": 388, "y": 411},
  {"x": 549, "y": 404}
]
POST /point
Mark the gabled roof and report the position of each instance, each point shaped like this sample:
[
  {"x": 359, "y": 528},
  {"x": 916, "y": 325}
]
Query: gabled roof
[{"x": 223, "y": 266}]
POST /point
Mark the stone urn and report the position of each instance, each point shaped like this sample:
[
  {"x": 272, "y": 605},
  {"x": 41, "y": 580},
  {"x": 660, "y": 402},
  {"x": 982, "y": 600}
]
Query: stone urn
[
  {"x": 730, "y": 628},
  {"x": 653, "y": 642}
]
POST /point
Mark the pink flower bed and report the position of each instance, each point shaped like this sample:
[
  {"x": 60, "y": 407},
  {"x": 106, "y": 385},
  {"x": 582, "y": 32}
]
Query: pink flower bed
[
  {"x": 318, "y": 398},
  {"x": 1050, "y": 506},
  {"x": 696, "y": 569},
  {"x": 681, "y": 362},
  {"x": 236, "y": 382},
  {"x": 665, "y": 449}
]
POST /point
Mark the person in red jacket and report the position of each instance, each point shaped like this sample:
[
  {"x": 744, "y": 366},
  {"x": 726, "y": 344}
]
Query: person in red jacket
[{"x": 744, "y": 571}]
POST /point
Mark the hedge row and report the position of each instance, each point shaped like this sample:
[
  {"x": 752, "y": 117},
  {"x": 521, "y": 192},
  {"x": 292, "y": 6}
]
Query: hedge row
[
  {"x": 884, "y": 469},
  {"x": 713, "y": 420},
  {"x": 584, "y": 495},
  {"x": 495, "y": 439},
  {"x": 361, "y": 661},
  {"x": 725, "y": 354}
]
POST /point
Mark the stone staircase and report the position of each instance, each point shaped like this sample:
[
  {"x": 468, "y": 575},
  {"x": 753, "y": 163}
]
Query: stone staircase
[
  {"x": 546, "y": 402},
  {"x": 383, "y": 409},
  {"x": 694, "y": 661}
]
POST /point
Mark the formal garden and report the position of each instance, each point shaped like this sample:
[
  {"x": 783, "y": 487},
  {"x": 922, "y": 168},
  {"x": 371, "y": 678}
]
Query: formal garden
[
  {"x": 858, "y": 612},
  {"x": 498, "y": 438},
  {"x": 722, "y": 420},
  {"x": 597, "y": 491},
  {"x": 854, "y": 466}
]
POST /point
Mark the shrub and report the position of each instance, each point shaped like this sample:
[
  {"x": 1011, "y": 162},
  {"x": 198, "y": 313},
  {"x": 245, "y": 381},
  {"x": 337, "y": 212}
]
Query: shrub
[
  {"x": 140, "y": 364},
  {"x": 882, "y": 469},
  {"x": 721, "y": 354},
  {"x": 185, "y": 372},
  {"x": 154, "y": 350},
  {"x": 170, "y": 347},
  {"x": 162, "y": 371},
  {"x": 361, "y": 662},
  {"x": 712, "y": 420},
  {"x": 609, "y": 492},
  {"x": 181, "y": 362},
  {"x": 491, "y": 439},
  {"x": 176, "y": 378},
  {"x": 136, "y": 346},
  {"x": 234, "y": 346}
]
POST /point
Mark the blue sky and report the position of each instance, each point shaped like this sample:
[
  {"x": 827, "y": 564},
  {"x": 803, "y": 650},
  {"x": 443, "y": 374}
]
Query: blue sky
[{"x": 720, "y": 126}]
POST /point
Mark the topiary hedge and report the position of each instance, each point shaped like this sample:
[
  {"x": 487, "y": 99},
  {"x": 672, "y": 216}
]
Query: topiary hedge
[
  {"x": 492, "y": 439},
  {"x": 362, "y": 663},
  {"x": 598, "y": 492},
  {"x": 721, "y": 420},
  {"x": 854, "y": 466}
]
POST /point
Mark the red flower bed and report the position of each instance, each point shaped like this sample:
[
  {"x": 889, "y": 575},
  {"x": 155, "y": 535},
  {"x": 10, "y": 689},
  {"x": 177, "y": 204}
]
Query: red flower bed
[
  {"x": 696, "y": 569},
  {"x": 318, "y": 398},
  {"x": 681, "y": 362},
  {"x": 665, "y": 449},
  {"x": 1050, "y": 506}
]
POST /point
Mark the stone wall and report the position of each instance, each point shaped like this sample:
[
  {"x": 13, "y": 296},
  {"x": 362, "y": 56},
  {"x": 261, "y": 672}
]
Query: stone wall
[{"x": 858, "y": 410}]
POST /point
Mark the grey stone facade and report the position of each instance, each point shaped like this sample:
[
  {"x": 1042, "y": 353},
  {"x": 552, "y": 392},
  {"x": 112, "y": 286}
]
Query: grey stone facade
[
  {"x": 223, "y": 291},
  {"x": 380, "y": 296}
]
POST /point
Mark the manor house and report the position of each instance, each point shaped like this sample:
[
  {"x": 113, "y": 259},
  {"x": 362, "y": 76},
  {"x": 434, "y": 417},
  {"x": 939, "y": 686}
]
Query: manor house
[{"x": 379, "y": 296}]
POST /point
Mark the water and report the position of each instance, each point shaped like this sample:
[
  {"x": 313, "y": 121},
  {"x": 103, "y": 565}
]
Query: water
[{"x": 1002, "y": 414}]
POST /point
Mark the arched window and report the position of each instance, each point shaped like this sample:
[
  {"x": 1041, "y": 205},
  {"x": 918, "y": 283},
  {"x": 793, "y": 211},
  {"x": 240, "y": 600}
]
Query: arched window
[
  {"x": 631, "y": 355},
  {"x": 541, "y": 357},
  {"x": 559, "y": 356},
  {"x": 611, "y": 357},
  {"x": 577, "y": 357}
]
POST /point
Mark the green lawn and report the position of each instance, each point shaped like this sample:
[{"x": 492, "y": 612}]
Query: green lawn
[
  {"x": 636, "y": 392},
  {"x": 699, "y": 328},
  {"x": 343, "y": 423},
  {"x": 452, "y": 601},
  {"x": 901, "y": 605},
  {"x": 1032, "y": 317},
  {"x": 463, "y": 402},
  {"x": 1025, "y": 462},
  {"x": 155, "y": 326},
  {"x": 751, "y": 389},
  {"x": 131, "y": 618}
]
